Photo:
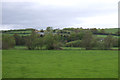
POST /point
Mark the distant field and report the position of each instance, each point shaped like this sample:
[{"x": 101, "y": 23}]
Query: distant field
[
  {"x": 28, "y": 32},
  {"x": 21, "y": 33},
  {"x": 60, "y": 64},
  {"x": 113, "y": 30},
  {"x": 106, "y": 36}
]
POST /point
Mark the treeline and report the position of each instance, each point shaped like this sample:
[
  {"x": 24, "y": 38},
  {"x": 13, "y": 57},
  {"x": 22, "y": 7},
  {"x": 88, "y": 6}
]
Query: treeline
[
  {"x": 53, "y": 39},
  {"x": 68, "y": 31},
  {"x": 92, "y": 42},
  {"x": 94, "y": 31},
  {"x": 32, "y": 42},
  {"x": 49, "y": 41}
]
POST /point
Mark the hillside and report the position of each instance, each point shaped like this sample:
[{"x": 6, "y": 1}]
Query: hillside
[
  {"x": 111, "y": 30},
  {"x": 67, "y": 31}
]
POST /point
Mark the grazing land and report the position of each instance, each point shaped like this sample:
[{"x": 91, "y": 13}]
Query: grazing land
[
  {"x": 60, "y": 53},
  {"x": 27, "y": 32},
  {"x": 21, "y": 32},
  {"x": 60, "y": 63},
  {"x": 111, "y": 30},
  {"x": 106, "y": 36}
]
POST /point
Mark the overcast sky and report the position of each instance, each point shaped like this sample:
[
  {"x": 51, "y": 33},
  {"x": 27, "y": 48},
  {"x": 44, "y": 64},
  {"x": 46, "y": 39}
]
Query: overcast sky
[{"x": 40, "y": 14}]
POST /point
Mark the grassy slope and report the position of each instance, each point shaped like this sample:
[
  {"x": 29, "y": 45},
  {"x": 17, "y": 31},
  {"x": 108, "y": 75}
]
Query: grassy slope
[
  {"x": 113, "y": 30},
  {"x": 60, "y": 64},
  {"x": 106, "y": 36},
  {"x": 17, "y": 32},
  {"x": 109, "y": 30}
]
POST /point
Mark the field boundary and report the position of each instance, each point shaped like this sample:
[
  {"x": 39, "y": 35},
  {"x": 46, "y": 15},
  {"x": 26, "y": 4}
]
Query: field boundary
[{"x": 60, "y": 79}]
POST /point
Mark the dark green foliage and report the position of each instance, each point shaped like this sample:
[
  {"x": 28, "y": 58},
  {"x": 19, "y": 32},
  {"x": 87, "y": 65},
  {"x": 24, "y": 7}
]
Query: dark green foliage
[
  {"x": 8, "y": 42},
  {"x": 115, "y": 42},
  {"x": 108, "y": 42},
  {"x": 19, "y": 40},
  {"x": 71, "y": 37},
  {"x": 0, "y": 40},
  {"x": 52, "y": 41},
  {"x": 119, "y": 43},
  {"x": 94, "y": 30},
  {"x": 88, "y": 41},
  {"x": 49, "y": 29},
  {"x": 40, "y": 43},
  {"x": 71, "y": 29},
  {"x": 118, "y": 32},
  {"x": 76, "y": 43},
  {"x": 41, "y": 30},
  {"x": 76, "y": 36},
  {"x": 31, "y": 41},
  {"x": 102, "y": 31},
  {"x": 49, "y": 41},
  {"x": 100, "y": 45}
]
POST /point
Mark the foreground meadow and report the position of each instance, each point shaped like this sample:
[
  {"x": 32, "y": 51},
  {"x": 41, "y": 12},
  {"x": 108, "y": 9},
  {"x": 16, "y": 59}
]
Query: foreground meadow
[{"x": 60, "y": 64}]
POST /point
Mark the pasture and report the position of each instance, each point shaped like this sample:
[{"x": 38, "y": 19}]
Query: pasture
[
  {"x": 103, "y": 36},
  {"x": 20, "y": 32},
  {"x": 60, "y": 63},
  {"x": 111, "y": 30}
]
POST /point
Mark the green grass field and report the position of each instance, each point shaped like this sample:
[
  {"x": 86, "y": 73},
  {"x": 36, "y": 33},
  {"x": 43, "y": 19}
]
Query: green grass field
[
  {"x": 60, "y": 64},
  {"x": 21, "y": 33},
  {"x": 113, "y": 30},
  {"x": 106, "y": 36}
]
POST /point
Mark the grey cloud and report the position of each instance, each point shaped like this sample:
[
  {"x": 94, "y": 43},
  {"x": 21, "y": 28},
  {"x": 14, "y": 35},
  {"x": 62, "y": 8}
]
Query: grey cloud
[{"x": 39, "y": 15}]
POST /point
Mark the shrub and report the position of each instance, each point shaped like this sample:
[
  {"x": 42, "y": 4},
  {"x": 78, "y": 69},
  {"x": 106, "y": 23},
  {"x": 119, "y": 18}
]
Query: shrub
[
  {"x": 100, "y": 45},
  {"x": 88, "y": 41},
  {"x": 108, "y": 42},
  {"x": 8, "y": 42},
  {"x": 115, "y": 42},
  {"x": 31, "y": 41},
  {"x": 40, "y": 43},
  {"x": 52, "y": 41},
  {"x": 76, "y": 36},
  {"x": 76, "y": 43},
  {"x": 19, "y": 40},
  {"x": 119, "y": 43}
]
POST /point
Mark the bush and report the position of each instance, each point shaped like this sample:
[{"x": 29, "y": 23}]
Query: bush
[
  {"x": 8, "y": 42},
  {"x": 88, "y": 41},
  {"x": 19, "y": 40},
  {"x": 31, "y": 41},
  {"x": 0, "y": 40},
  {"x": 76, "y": 36},
  {"x": 76, "y": 43},
  {"x": 119, "y": 43},
  {"x": 115, "y": 43},
  {"x": 108, "y": 42},
  {"x": 52, "y": 41},
  {"x": 100, "y": 45},
  {"x": 40, "y": 43}
]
